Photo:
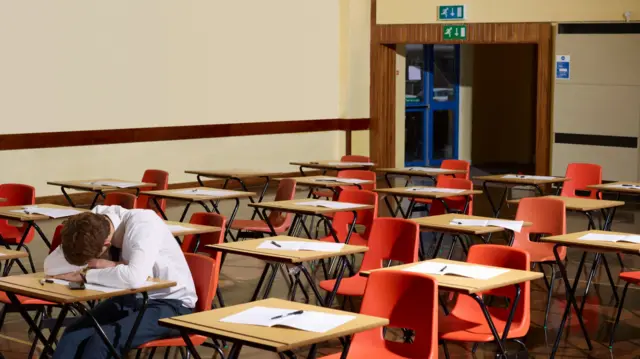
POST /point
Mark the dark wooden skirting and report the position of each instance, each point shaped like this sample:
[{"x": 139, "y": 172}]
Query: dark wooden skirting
[
  {"x": 383, "y": 76},
  {"x": 23, "y": 141},
  {"x": 84, "y": 199}
]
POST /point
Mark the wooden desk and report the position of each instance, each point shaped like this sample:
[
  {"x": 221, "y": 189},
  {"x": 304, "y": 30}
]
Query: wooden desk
[
  {"x": 406, "y": 192},
  {"x": 9, "y": 255},
  {"x": 600, "y": 247},
  {"x": 295, "y": 259},
  {"x": 191, "y": 229},
  {"x": 90, "y": 186},
  {"x": 515, "y": 180},
  {"x": 475, "y": 287},
  {"x": 441, "y": 224},
  {"x": 30, "y": 220},
  {"x": 29, "y": 285},
  {"x": 328, "y": 165},
  {"x": 632, "y": 188},
  {"x": 276, "y": 339},
  {"x": 176, "y": 194},
  {"x": 328, "y": 182}
]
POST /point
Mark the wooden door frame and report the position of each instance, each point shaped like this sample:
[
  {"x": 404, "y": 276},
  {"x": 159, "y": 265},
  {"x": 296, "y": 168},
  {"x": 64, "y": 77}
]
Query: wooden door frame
[{"x": 384, "y": 38}]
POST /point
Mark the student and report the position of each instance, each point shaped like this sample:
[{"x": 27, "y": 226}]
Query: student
[{"x": 147, "y": 249}]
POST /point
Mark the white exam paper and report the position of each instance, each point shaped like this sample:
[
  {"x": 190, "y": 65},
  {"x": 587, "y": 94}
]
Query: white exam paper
[
  {"x": 98, "y": 288},
  {"x": 302, "y": 246},
  {"x": 310, "y": 321},
  {"x": 178, "y": 228},
  {"x": 49, "y": 212},
  {"x": 204, "y": 192},
  {"x": 469, "y": 222},
  {"x": 351, "y": 163},
  {"x": 628, "y": 186},
  {"x": 515, "y": 226},
  {"x": 329, "y": 204},
  {"x": 469, "y": 271},
  {"x": 435, "y": 189},
  {"x": 340, "y": 180},
  {"x": 428, "y": 169},
  {"x": 116, "y": 184},
  {"x": 530, "y": 177},
  {"x": 611, "y": 238}
]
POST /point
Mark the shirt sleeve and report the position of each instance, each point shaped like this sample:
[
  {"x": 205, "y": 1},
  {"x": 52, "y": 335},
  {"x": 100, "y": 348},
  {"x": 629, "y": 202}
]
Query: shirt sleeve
[
  {"x": 141, "y": 232},
  {"x": 55, "y": 264}
]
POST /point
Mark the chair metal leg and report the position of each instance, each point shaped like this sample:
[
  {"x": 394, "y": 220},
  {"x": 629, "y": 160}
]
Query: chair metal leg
[
  {"x": 138, "y": 353},
  {"x": 152, "y": 353},
  {"x": 166, "y": 353},
  {"x": 475, "y": 347},
  {"x": 33, "y": 267},
  {"x": 549, "y": 294},
  {"x": 446, "y": 350},
  {"x": 615, "y": 324}
]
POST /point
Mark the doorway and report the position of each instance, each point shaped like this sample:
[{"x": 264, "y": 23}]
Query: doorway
[{"x": 432, "y": 103}]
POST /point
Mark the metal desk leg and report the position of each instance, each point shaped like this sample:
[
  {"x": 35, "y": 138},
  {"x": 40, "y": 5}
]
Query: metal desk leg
[
  {"x": 256, "y": 292},
  {"x": 32, "y": 324},
  {"x": 184, "y": 212},
  {"x": 398, "y": 202},
  {"x": 262, "y": 192},
  {"x": 234, "y": 353},
  {"x": 159, "y": 208},
  {"x": 495, "y": 208},
  {"x": 192, "y": 348},
  {"x": 231, "y": 218},
  {"x": 95, "y": 199},
  {"x": 67, "y": 197},
  {"x": 571, "y": 300}
]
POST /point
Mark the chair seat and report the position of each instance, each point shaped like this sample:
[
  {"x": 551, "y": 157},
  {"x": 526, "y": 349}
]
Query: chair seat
[
  {"x": 475, "y": 328},
  {"x": 24, "y": 300},
  {"x": 174, "y": 342},
  {"x": 355, "y": 240},
  {"x": 379, "y": 350},
  {"x": 539, "y": 252},
  {"x": 323, "y": 193},
  {"x": 352, "y": 286},
  {"x": 631, "y": 277},
  {"x": 11, "y": 235},
  {"x": 255, "y": 225}
]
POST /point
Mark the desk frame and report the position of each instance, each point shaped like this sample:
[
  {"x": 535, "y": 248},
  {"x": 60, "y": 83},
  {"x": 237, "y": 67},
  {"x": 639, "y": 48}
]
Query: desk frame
[{"x": 496, "y": 208}]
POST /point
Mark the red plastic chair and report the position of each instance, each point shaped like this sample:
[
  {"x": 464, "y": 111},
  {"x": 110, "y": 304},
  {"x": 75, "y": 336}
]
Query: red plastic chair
[
  {"x": 355, "y": 158},
  {"x": 390, "y": 239},
  {"x": 450, "y": 165},
  {"x": 456, "y": 203},
  {"x": 408, "y": 300},
  {"x": 456, "y": 165},
  {"x": 17, "y": 195},
  {"x": 630, "y": 278},
  {"x": 205, "y": 272},
  {"x": 342, "y": 220},
  {"x": 548, "y": 217},
  {"x": 280, "y": 221},
  {"x": 466, "y": 322},
  {"x": 122, "y": 199},
  {"x": 189, "y": 242},
  {"x": 161, "y": 179},
  {"x": 582, "y": 175}
]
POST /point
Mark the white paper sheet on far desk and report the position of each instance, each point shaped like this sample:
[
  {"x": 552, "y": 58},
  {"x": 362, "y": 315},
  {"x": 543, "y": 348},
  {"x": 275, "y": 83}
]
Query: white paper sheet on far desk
[
  {"x": 529, "y": 177},
  {"x": 316, "y": 246},
  {"x": 178, "y": 228},
  {"x": 116, "y": 184},
  {"x": 435, "y": 190},
  {"x": 428, "y": 169},
  {"x": 515, "y": 226},
  {"x": 99, "y": 288},
  {"x": 469, "y": 271},
  {"x": 204, "y": 192},
  {"x": 627, "y": 186},
  {"x": 310, "y": 321},
  {"x": 49, "y": 212},
  {"x": 340, "y": 180},
  {"x": 329, "y": 204},
  {"x": 351, "y": 163},
  {"x": 611, "y": 238}
]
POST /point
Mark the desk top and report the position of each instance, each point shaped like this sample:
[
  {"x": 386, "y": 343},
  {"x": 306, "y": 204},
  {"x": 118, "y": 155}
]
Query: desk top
[
  {"x": 404, "y": 192},
  {"x": 470, "y": 285},
  {"x": 521, "y": 180},
  {"x": 440, "y": 223},
  {"x": 419, "y": 171},
  {"x": 190, "y": 228},
  {"x": 175, "y": 194},
  {"x": 29, "y": 285},
  {"x": 613, "y": 187},
  {"x": 292, "y": 206},
  {"x": 5, "y": 212},
  {"x": 572, "y": 240},
  {"x": 87, "y": 185},
  {"x": 581, "y": 204},
  {"x": 6, "y": 254},
  {"x": 331, "y": 165},
  {"x": 232, "y": 173},
  {"x": 276, "y": 339},
  {"x": 250, "y": 248},
  {"x": 317, "y": 181}
]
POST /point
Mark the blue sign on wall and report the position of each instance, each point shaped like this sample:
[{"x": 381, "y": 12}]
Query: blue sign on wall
[{"x": 563, "y": 67}]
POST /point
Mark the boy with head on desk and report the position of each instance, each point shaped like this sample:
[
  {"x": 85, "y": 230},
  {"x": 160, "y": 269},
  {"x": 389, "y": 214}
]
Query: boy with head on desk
[{"x": 146, "y": 249}]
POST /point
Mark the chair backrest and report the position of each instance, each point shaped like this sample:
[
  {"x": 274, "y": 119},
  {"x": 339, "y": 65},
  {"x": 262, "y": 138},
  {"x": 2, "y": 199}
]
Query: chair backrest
[
  {"x": 205, "y": 272},
  {"x": 286, "y": 192},
  {"x": 456, "y": 165},
  {"x": 409, "y": 301},
  {"x": 57, "y": 238},
  {"x": 581, "y": 175},
  {"x": 359, "y": 174},
  {"x": 354, "y": 158},
  {"x": 17, "y": 195},
  {"x": 391, "y": 239},
  {"x": 505, "y": 257},
  {"x": 122, "y": 199},
  {"x": 161, "y": 179},
  {"x": 342, "y": 220},
  {"x": 548, "y": 216},
  {"x": 457, "y": 202},
  {"x": 189, "y": 242}
]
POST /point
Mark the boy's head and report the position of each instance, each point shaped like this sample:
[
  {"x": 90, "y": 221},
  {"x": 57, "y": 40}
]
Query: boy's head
[{"x": 85, "y": 236}]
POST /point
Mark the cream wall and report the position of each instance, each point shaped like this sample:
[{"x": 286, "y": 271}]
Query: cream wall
[
  {"x": 602, "y": 97},
  {"x": 401, "y": 75},
  {"x": 425, "y": 11},
  {"x": 76, "y": 65},
  {"x": 465, "y": 113}
]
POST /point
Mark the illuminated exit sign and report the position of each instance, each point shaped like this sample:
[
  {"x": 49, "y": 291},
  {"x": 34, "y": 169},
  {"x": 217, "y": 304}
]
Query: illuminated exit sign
[
  {"x": 451, "y": 12},
  {"x": 454, "y": 32}
]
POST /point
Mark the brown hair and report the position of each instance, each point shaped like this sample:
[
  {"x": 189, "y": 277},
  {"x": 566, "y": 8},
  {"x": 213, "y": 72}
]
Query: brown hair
[{"x": 83, "y": 237}]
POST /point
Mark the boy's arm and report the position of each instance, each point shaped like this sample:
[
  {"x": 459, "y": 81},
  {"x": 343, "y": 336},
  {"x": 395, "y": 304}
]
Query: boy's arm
[{"x": 56, "y": 264}]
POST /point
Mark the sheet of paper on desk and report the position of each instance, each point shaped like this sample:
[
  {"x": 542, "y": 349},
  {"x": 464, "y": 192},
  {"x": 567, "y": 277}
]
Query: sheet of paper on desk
[
  {"x": 351, "y": 163},
  {"x": 310, "y": 321},
  {"x": 178, "y": 228},
  {"x": 98, "y": 288},
  {"x": 469, "y": 222},
  {"x": 53, "y": 212},
  {"x": 435, "y": 190},
  {"x": 468, "y": 271},
  {"x": 280, "y": 245},
  {"x": 328, "y": 204},
  {"x": 515, "y": 226},
  {"x": 316, "y": 246},
  {"x": 631, "y": 239},
  {"x": 611, "y": 238},
  {"x": 204, "y": 192},
  {"x": 351, "y": 180},
  {"x": 628, "y": 186},
  {"x": 529, "y": 177},
  {"x": 428, "y": 169},
  {"x": 116, "y": 184}
]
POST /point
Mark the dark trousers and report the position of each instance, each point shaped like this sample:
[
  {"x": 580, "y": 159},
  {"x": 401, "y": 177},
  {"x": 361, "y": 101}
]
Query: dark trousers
[{"x": 116, "y": 317}]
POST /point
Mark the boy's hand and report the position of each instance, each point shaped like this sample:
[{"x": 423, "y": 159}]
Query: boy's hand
[{"x": 101, "y": 263}]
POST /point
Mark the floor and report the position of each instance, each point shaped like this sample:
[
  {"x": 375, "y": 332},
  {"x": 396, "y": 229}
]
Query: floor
[{"x": 240, "y": 275}]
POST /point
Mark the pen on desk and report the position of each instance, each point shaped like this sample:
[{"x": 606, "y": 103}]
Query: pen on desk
[
  {"x": 276, "y": 244},
  {"x": 443, "y": 268},
  {"x": 297, "y": 312},
  {"x": 454, "y": 222}
]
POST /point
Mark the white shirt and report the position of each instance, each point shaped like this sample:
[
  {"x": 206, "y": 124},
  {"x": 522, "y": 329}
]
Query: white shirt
[{"x": 148, "y": 250}]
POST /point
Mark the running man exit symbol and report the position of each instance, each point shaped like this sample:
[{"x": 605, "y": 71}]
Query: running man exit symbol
[
  {"x": 454, "y": 32},
  {"x": 451, "y": 12}
]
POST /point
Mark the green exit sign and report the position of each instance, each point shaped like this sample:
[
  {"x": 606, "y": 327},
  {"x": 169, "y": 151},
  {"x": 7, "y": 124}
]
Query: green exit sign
[
  {"x": 451, "y": 12},
  {"x": 454, "y": 32}
]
